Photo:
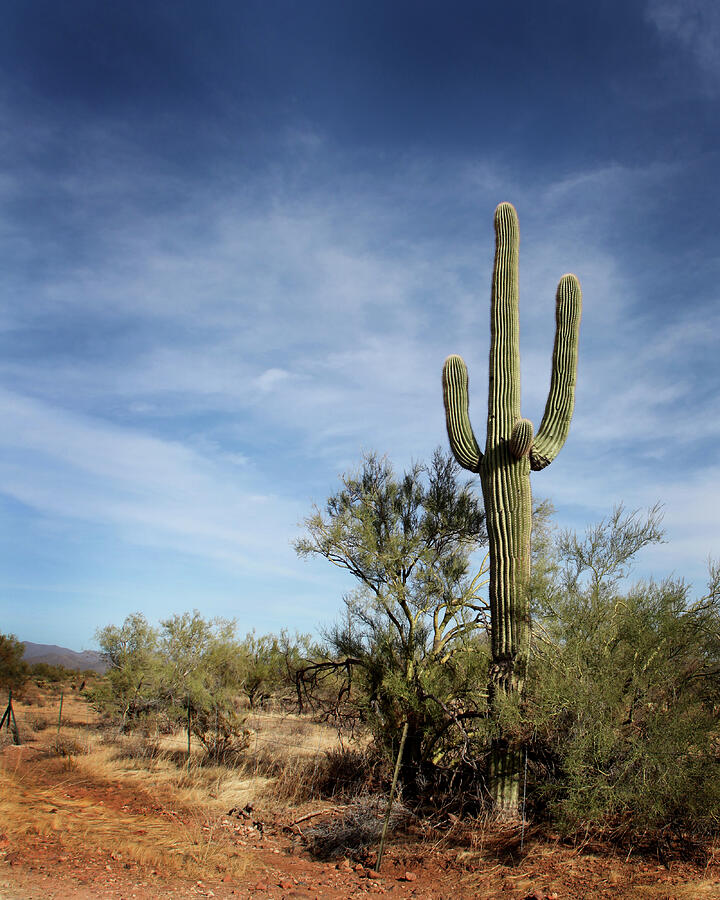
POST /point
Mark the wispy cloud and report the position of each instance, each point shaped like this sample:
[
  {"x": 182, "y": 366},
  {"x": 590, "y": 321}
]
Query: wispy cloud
[
  {"x": 695, "y": 25},
  {"x": 153, "y": 491},
  {"x": 221, "y": 361}
]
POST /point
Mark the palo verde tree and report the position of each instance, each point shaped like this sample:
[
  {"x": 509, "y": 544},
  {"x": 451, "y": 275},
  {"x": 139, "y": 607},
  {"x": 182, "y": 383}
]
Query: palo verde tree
[
  {"x": 409, "y": 542},
  {"x": 511, "y": 451},
  {"x": 269, "y": 663},
  {"x": 129, "y": 690},
  {"x": 202, "y": 675},
  {"x": 188, "y": 672}
]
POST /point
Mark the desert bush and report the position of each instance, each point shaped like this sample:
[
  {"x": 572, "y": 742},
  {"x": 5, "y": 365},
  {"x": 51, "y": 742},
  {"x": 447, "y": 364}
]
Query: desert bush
[
  {"x": 268, "y": 665},
  {"x": 227, "y": 749},
  {"x": 13, "y": 670},
  {"x": 129, "y": 691},
  {"x": 40, "y": 723},
  {"x": 624, "y": 691},
  {"x": 187, "y": 674},
  {"x": 67, "y": 745},
  {"x": 43, "y": 672}
]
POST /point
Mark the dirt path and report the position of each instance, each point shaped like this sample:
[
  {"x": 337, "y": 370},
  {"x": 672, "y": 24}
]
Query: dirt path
[{"x": 64, "y": 835}]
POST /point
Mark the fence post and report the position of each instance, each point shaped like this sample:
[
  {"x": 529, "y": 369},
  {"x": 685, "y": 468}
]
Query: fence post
[
  {"x": 381, "y": 849},
  {"x": 9, "y": 717},
  {"x": 62, "y": 694},
  {"x": 15, "y": 732},
  {"x": 189, "y": 723}
]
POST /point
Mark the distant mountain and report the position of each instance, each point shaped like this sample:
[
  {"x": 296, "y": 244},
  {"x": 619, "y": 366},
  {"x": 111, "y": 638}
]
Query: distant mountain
[{"x": 61, "y": 656}]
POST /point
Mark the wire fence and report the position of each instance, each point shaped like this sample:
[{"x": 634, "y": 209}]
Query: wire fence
[{"x": 22, "y": 720}]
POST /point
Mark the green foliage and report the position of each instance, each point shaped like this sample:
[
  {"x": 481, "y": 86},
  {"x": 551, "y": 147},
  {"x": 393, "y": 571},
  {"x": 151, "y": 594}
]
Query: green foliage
[
  {"x": 57, "y": 674},
  {"x": 13, "y": 671},
  {"x": 269, "y": 664},
  {"x": 188, "y": 670},
  {"x": 201, "y": 673},
  {"x": 130, "y": 688},
  {"x": 624, "y": 689},
  {"x": 408, "y": 644}
]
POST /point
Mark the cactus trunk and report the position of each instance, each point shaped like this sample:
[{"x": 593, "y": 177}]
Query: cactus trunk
[{"x": 511, "y": 450}]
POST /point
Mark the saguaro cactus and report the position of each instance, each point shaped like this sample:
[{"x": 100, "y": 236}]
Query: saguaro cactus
[{"x": 511, "y": 451}]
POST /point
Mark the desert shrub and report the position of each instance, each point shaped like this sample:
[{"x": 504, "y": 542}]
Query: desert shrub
[
  {"x": 130, "y": 690},
  {"x": 624, "y": 692},
  {"x": 187, "y": 673},
  {"x": 67, "y": 745},
  {"x": 268, "y": 664},
  {"x": 227, "y": 748},
  {"x": 40, "y": 723},
  {"x": 346, "y": 772},
  {"x": 43, "y": 672},
  {"x": 13, "y": 670}
]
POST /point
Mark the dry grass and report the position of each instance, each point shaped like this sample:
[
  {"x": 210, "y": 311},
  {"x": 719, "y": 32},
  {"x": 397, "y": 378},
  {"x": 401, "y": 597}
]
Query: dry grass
[
  {"x": 165, "y": 775},
  {"x": 297, "y": 735},
  {"x": 176, "y": 844},
  {"x": 301, "y": 760},
  {"x": 177, "y": 835},
  {"x": 37, "y": 710},
  {"x": 289, "y": 760}
]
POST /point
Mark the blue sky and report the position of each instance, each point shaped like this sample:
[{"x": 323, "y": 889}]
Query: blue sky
[{"x": 239, "y": 239}]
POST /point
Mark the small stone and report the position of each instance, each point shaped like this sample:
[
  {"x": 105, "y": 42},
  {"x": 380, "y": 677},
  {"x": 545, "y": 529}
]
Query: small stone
[{"x": 409, "y": 876}]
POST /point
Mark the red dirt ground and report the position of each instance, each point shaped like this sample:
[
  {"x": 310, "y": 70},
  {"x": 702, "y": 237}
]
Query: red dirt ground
[{"x": 48, "y": 864}]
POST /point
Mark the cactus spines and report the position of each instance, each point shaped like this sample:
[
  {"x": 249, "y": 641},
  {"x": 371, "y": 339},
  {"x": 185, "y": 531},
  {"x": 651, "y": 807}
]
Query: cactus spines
[{"x": 511, "y": 451}]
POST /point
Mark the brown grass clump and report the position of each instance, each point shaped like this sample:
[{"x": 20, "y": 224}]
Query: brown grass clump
[
  {"x": 340, "y": 772},
  {"x": 68, "y": 745},
  {"x": 40, "y": 723}
]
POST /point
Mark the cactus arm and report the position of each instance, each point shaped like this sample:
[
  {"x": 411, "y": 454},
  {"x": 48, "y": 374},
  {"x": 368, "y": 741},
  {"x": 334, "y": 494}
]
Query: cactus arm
[
  {"x": 455, "y": 394},
  {"x": 555, "y": 423},
  {"x": 521, "y": 438}
]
